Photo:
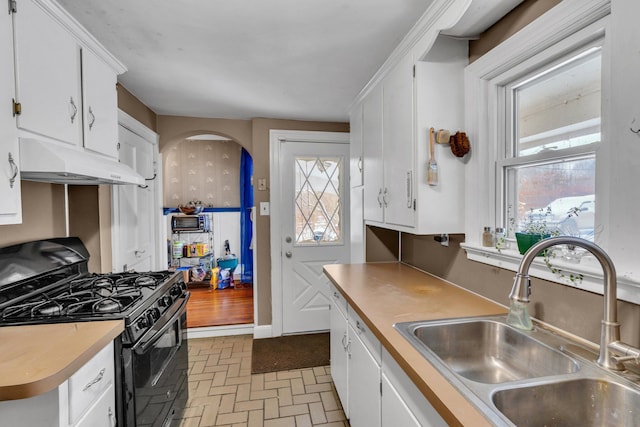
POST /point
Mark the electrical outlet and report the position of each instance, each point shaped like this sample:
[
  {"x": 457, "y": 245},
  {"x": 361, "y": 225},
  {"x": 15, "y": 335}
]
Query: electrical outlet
[
  {"x": 445, "y": 240},
  {"x": 262, "y": 184},
  {"x": 264, "y": 208}
]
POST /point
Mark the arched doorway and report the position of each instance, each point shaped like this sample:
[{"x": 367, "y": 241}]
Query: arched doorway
[{"x": 214, "y": 171}]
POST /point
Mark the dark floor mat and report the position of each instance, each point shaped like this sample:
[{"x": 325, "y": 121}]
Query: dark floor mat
[{"x": 289, "y": 352}]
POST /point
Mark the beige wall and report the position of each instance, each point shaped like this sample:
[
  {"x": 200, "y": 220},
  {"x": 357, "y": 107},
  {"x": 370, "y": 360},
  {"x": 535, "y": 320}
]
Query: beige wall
[
  {"x": 136, "y": 109},
  {"x": 518, "y": 18},
  {"x": 43, "y": 214},
  {"x": 84, "y": 221}
]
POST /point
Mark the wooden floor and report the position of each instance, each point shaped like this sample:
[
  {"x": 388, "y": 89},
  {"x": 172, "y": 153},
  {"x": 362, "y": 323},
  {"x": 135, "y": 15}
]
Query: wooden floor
[{"x": 209, "y": 307}]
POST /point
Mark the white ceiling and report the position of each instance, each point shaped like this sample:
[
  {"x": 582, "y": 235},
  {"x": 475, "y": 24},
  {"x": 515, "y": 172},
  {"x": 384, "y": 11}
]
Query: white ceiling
[{"x": 240, "y": 59}]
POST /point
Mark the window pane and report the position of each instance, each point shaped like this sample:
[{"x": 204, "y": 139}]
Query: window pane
[
  {"x": 559, "y": 107},
  {"x": 317, "y": 200},
  {"x": 559, "y": 186}
]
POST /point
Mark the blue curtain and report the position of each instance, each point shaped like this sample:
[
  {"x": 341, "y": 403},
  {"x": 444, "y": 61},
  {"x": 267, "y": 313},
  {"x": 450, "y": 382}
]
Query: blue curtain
[{"x": 246, "y": 203}]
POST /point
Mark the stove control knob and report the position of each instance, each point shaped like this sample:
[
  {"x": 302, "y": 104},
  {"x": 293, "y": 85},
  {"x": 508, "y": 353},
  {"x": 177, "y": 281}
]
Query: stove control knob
[
  {"x": 176, "y": 291},
  {"x": 153, "y": 315},
  {"x": 143, "y": 323},
  {"x": 165, "y": 301}
]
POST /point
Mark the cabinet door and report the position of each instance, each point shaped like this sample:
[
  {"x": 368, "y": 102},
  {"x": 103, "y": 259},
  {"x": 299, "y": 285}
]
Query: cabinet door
[
  {"x": 103, "y": 413},
  {"x": 100, "y": 100},
  {"x": 355, "y": 147},
  {"x": 47, "y": 75},
  {"x": 10, "y": 208},
  {"x": 398, "y": 144},
  {"x": 394, "y": 411},
  {"x": 372, "y": 152},
  {"x": 364, "y": 384},
  {"x": 339, "y": 357}
]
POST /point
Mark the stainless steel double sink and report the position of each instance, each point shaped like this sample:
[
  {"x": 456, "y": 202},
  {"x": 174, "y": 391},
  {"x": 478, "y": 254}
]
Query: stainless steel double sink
[{"x": 525, "y": 378}]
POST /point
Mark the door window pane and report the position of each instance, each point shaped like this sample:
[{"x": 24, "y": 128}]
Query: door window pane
[{"x": 317, "y": 204}]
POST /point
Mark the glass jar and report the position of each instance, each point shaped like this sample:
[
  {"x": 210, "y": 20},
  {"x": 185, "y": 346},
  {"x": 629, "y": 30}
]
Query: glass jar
[
  {"x": 501, "y": 239},
  {"x": 487, "y": 237}
]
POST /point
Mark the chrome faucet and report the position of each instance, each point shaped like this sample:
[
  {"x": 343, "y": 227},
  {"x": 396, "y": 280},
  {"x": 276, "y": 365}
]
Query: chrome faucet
[{"x": 612, "y": 351}]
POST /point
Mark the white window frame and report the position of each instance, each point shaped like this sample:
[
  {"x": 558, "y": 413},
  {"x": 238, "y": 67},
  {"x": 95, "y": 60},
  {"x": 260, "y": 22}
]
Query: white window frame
[{"x": 569, "y": 26}]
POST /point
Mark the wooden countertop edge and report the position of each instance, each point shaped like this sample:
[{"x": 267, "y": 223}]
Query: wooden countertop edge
[
  {"x": 454, "y": 408},
  {"x": 49, "y": 381}
]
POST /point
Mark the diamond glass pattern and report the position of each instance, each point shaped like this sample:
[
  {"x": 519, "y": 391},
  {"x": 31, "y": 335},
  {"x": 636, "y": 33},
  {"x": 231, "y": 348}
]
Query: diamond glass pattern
[{"x": 317, "y": 200}]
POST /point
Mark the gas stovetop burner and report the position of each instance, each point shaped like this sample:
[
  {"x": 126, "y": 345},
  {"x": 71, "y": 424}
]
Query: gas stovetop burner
[
  {"x": 48, "y": 309},
  {"x": 107, "y": 305}
]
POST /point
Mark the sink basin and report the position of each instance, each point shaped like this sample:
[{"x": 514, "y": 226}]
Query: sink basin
[
  {"x": 581, "y": 402},
  {"x": 490, "y": 352}
]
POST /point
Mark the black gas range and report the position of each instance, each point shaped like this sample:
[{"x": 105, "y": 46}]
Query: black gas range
[{"x": 47, "y": 281}]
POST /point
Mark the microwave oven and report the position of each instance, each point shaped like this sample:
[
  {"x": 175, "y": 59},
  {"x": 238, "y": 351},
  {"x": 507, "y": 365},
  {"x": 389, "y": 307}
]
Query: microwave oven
[{"x": 199, "y": 223}]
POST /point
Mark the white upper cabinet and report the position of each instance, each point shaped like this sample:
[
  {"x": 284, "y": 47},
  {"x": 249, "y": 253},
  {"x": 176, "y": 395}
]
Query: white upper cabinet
[
  {"x": 372, "y": 156},
  {"x": 47, "y": 75},
  {"x": 397, "y": 114},
  {"x": 10, "y": 207},
  {"x": 398, "y": 144},
  {"x": 65, "y": 80},
  {"x": 100, "y": 105}
]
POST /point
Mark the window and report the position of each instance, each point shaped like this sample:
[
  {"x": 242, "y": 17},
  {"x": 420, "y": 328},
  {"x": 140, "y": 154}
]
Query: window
[
  {"x": 552, "y": 127},
  {"x": 573, "y": 160}
]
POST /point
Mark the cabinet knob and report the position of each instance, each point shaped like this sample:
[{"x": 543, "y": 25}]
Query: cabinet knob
[
  {"x": 92, "y": 118},
  {"x": 288, "y": 254}
]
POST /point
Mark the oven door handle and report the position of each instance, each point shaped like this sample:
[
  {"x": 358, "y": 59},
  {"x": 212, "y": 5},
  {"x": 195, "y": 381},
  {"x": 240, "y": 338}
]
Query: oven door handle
[{"x": 143, "y": 344}]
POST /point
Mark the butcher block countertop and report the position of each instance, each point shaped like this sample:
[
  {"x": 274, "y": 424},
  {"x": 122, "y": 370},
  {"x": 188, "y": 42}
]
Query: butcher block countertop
[
  {"x": 387, "y": 293},
  {"x": 35, "y": 359}
]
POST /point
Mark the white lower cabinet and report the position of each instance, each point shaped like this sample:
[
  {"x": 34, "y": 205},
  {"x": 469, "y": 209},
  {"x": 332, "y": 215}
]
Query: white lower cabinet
[
  {"x": 364, "y": 382},
  {"x": 402, "y": 403},
  {"x": 339, "y": 345},
  {"x": 86, "y": 399},
  {"x": 373, "y": 389}
]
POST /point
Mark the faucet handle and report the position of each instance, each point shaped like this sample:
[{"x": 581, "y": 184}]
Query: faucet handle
[{"x": 521, "y": 288}]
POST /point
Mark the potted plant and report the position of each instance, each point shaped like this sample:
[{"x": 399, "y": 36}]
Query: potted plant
[{"x": 534, "y": 228}]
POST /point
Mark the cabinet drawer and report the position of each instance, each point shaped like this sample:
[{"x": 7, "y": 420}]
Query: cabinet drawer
[
  {"x": 90, "y": 382},
  {"x": 102, "y": 413},
  {"x": 365, "y": 334},
  {"x": 337, "y": 299}
]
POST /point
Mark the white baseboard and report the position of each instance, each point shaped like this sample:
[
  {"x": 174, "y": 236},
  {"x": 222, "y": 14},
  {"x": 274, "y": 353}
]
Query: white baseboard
[
  {"x": 262, "y": 331},
  {"x": 220, "y": 331}
]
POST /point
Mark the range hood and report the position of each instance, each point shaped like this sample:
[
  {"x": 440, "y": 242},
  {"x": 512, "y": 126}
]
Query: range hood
[{"x": 46, "y": 162}]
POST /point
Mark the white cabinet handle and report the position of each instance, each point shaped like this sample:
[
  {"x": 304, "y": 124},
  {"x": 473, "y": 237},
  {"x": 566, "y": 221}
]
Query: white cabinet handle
[
  {"x": 14, "y": 169},
  {"x": 344, "y": 341},
  {"x": 360, "y": 164},
  {"x": 359, "y": 327},
  {"x": 138, "y": 253},
  {"x": 379, "y": 195},
  {"x": 348, "y": 348},
  {"x": 92, "y": 118},
  {"x": 94, "y": 381},
  {"x": 74, "y": 109},
  {"x": 112, "y": 417},
  {"x": 384, "y": 198}
]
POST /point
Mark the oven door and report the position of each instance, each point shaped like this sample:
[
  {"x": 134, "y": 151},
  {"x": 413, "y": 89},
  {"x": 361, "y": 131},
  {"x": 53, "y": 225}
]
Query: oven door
[{"x": 159, "y": 364}]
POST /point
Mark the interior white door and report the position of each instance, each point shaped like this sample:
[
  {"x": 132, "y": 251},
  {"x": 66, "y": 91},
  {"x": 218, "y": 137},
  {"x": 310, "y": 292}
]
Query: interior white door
[
  {"x": 133, "y": 220},
  {"x": 314, "y": 203}
]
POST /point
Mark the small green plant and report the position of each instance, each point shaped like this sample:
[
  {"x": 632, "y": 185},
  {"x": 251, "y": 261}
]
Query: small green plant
[{"x": 537, "y": 222}]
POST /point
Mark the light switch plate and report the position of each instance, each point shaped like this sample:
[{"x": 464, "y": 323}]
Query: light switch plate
[{"x": 264, "y": 208}]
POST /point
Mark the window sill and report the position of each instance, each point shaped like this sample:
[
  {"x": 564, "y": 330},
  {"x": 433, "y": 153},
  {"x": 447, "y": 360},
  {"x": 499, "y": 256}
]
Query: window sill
[{"x": 509, "y": 259}]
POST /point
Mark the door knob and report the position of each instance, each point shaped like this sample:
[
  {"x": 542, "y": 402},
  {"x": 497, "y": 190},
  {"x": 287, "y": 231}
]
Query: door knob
[
  {"x": 288, "y": 254},
  {"x": 288, "y": 239}
]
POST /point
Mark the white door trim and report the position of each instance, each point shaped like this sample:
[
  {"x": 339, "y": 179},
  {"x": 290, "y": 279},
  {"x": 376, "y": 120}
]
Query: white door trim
[{"x": 275, "y": 138}]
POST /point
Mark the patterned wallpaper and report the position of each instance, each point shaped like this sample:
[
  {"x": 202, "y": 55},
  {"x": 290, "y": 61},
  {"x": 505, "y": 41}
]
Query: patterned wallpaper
[{"x": 208, "y": 171}]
